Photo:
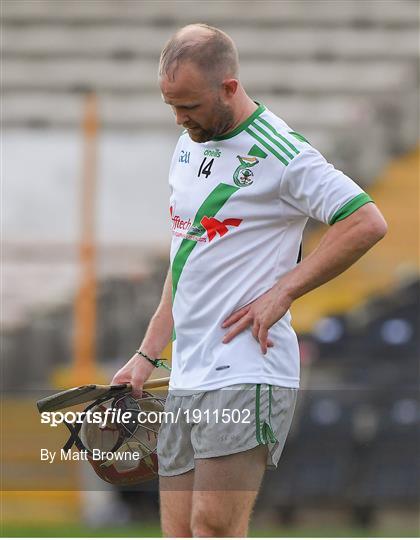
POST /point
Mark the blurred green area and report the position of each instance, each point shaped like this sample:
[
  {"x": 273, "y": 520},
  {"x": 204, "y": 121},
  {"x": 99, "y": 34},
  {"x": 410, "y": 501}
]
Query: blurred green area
[{"x": 153, "y": 530}]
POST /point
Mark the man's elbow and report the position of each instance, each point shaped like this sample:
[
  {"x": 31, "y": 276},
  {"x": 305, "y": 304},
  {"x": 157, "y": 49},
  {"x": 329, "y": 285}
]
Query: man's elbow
[{"x": 375, "y": 228}]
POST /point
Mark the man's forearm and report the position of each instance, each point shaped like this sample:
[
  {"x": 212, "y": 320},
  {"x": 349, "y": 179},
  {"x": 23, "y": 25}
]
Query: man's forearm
[
  {"x": 159, "y": 331},
  {"x": 343, "y": 244}
]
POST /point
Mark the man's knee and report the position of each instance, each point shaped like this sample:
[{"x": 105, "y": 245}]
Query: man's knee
[
  {"x": 203, "y": 526},
  {"x": 176, "y": 530},
  {"x": 208, "y": 524},
  {"x": 175, "y": 524}
]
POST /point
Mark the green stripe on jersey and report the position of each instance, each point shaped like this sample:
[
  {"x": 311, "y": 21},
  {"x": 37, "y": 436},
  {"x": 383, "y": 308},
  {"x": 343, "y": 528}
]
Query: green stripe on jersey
[
  {"x": 350, "y": 207},
  {"x": 211, "y": 205},
  {"x": 273, "y": 140},
  {"x": 256, "y": 151},
  {"x": 299, "y": 137},
  {"x": 267, "y": 146},
  {"x": 277, "y": 134}
]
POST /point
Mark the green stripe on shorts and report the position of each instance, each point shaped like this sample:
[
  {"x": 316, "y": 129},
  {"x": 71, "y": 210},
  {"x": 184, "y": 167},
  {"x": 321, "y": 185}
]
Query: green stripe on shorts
[{"x": 257, "y": 413}]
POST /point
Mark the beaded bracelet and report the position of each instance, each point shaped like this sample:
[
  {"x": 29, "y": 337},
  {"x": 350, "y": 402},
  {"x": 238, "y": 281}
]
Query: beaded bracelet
[{"x": 157, "y": 362}]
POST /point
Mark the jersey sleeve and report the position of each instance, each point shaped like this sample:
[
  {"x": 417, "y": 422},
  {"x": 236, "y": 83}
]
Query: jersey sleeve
[{"x": 315, "y": 188}]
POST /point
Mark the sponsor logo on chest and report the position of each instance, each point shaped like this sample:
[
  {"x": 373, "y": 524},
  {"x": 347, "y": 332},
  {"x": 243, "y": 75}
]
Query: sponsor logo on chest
[{"x": 208, "y": 228}]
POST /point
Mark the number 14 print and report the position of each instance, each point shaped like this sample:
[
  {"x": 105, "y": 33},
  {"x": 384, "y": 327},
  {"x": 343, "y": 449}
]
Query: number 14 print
[{"x": 205, "y": 169}]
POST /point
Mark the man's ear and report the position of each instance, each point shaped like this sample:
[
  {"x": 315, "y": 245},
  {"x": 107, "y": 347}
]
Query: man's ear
[{"x": 230, "y": 86}]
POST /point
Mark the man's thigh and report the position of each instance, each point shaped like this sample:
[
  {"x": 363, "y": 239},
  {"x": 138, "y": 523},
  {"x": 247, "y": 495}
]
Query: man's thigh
[{"x": 225, "y": 489}]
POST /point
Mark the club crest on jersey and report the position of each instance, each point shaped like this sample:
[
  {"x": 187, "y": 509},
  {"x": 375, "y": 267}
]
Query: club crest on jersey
[{"x": 243, "y": 176}]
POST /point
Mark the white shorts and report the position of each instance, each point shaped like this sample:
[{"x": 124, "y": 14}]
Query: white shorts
[{"x": 222, "y": 422}]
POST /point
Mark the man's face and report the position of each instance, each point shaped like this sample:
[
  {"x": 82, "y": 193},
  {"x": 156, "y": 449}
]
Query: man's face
[{"x": 199, "y": 107}]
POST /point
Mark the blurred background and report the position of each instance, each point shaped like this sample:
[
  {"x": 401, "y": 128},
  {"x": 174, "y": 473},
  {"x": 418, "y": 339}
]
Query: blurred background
[{"x": 86, "y": 146}]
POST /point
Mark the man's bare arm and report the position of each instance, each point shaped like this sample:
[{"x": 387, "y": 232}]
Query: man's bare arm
[
  {"x": 137, "y": 370},
  {"x": 160, "y": 328},
  {"x": 342, "y": 245}
]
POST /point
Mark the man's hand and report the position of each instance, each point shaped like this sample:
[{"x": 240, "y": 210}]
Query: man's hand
[
  {"x": 135, "y": 372},
  {"x": 260, "y": 314}
]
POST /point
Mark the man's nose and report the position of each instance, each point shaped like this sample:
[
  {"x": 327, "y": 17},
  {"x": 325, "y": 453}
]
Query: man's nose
[{"x": 180, "y": 117}]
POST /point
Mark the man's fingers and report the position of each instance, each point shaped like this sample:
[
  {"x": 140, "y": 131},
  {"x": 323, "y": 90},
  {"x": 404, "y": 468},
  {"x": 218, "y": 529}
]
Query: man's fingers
[
  {"x": 255, "y": 329},
  {"x": 237, "y": 329},
  {"x": 136, "y": 385},
  {"x": 235, "y": 317},
  {"x": 137, "y": 388},
  {"x": 137, "y": 392},
  {"x": 118, "y": 380},
  {"x": 243, "y": 320},
  {"x": 262, "y": 338},
  {"x": 259, "y": 333}
]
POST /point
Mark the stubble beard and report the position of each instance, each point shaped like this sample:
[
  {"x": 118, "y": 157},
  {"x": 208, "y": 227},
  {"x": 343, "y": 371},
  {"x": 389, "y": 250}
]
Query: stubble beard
[{"x": 223, "y": 119}]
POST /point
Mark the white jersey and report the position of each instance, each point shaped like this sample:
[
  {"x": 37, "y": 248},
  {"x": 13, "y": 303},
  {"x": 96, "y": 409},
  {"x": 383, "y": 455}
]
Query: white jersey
[{"x": 239, "y": 205}]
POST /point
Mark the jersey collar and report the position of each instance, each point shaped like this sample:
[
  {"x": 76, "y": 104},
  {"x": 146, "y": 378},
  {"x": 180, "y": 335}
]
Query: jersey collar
[{"x": 243, "y": 125}]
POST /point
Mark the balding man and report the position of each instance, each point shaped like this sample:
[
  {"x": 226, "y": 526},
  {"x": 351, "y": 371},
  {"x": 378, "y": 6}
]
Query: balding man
[{"x": 243, "y": 185}]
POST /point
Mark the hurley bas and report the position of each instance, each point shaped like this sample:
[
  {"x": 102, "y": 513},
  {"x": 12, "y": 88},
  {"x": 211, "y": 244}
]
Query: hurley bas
[{"x": 84, "y": 455}]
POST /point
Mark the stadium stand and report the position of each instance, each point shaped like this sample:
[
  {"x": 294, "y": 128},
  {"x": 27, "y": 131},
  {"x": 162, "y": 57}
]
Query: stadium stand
[{"x": 330, "y": 69}]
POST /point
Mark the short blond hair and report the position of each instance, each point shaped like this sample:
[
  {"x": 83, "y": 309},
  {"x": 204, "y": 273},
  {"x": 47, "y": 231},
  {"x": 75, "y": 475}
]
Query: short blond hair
[{"x": 211, "y": 50}]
